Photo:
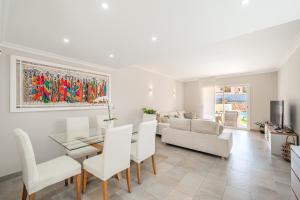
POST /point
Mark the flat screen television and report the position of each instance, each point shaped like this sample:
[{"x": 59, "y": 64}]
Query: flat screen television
[{"x": 277, "y": 114}]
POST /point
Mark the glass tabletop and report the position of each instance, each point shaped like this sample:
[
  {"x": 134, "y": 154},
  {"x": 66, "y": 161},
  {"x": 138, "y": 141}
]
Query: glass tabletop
[{"x": 83, "y": 141}]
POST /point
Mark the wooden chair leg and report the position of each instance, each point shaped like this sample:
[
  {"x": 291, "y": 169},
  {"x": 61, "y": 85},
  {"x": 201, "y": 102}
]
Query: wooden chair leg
[
  {"x": 153, "y": 164},
  {"x": 32, "y": 196},
  {"x": 24, "y": 193},
  {"x": 85, "y": 179},
  {"x": 66, "y": 182},
  {"x": 104, "y": 188},
  {"x": 128, "y": 178},
  {"x": 118, "y": 176},
  {"x": 138, "y": 172},
  {"x": 71, "y": 180},
  {"x": 78, "y": 187}
]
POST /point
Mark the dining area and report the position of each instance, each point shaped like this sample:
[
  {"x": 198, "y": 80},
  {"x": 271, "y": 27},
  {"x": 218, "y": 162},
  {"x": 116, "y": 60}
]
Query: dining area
[{"x": 105, "y": 152}]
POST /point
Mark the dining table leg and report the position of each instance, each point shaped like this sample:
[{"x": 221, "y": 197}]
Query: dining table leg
[{"x": 78, "y": 187}]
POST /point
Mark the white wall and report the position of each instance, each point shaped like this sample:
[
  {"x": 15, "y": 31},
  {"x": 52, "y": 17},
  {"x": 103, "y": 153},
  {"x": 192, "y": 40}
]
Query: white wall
[
  {"x": 129, "y": 95},
  {"x": 288, "y": 90},
  {"x": 263, "y": 88},
  {"x": 192, "y": 97}
]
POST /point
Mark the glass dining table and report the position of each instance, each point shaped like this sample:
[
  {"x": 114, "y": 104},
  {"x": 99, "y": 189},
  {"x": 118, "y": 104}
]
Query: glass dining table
[{"x": 93, "y": 139}]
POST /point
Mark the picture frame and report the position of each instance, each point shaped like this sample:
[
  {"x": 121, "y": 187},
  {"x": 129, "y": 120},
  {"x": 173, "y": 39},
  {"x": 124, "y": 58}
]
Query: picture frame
[{"x": 37, "y": 85}]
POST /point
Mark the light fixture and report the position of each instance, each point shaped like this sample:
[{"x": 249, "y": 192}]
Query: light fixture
[
  {"x": 111, "y": 55},
  {"x": 150, "y": 90},
  {"x": 174, "y": 92},
  {"x": 153, "y": 39},
  {"x": 105, "y": 6},
  {"x": 245, "y": 3},
  {"x": 66, "y": 40}
]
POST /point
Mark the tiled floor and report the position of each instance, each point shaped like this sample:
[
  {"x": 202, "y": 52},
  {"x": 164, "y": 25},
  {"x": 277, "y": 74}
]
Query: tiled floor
[{"x": 250, "y": 173}]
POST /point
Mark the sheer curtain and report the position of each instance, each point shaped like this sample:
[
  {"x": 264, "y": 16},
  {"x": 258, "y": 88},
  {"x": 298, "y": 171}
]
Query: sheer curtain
[
  {"x": 208, "y": 102},
  {"x": 207, "y": 98}
]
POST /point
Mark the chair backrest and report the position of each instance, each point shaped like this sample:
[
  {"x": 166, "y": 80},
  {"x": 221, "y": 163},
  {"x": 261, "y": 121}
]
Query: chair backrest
[
  {"x": 28, "y": 163},
  {"x": 230, "y": 119},
  {"x": 77, "y": 127},
  {"x": 146, "y": 140},
  {"x": 102, "y": 125},
  {"x": 116, "y": 150}
]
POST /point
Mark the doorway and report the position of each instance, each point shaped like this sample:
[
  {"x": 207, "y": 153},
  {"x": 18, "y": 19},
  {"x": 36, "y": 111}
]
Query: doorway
[{"x": 232, "y": 106}]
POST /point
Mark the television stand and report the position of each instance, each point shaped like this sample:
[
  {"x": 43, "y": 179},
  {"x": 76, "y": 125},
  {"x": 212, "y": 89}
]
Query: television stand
[{"x": 275, "y": 139}]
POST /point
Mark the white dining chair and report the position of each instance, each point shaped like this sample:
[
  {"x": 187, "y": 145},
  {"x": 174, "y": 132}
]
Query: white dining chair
[
  {"x": 114, "y": 159},
  {"x": 102, "y": 125},
  {"x": 144, "y": 147},
  {"x": 36, "y": 177},
  {"x": 79, "y": 127}
]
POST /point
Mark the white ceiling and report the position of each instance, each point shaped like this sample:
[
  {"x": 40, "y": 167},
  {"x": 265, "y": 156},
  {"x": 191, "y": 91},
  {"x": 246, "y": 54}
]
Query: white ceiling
[{"x": 196, "y": 38}]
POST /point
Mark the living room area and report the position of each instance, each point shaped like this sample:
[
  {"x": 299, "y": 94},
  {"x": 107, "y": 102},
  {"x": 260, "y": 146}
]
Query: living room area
[{"x": 134, "y": 100}]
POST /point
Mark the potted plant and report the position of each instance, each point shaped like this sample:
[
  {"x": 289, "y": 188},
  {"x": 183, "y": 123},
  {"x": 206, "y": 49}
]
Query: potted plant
[
  {"x": 149, "y": 114},
  {"x": 261, "y": 126}
]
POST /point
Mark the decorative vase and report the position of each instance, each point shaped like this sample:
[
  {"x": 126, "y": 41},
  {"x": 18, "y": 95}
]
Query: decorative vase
[
  {"x": 103, "y": 125},
  {"x": 108, "y": 125}
]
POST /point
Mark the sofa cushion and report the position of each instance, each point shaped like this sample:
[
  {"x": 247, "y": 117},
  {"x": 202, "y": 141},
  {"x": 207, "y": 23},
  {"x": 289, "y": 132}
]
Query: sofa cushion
[
  {"x": 173, "y": 114},
  {"x": 181, "y": 124},
  {"x": 180, "y": 114},
  {"x": 190, "y": 115},
  {"x": 205, "y": 126},
  {"x": 164, "y": 119}
]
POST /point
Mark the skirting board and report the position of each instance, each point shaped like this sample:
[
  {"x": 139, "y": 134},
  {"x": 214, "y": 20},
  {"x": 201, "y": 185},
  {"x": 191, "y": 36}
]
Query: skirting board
[{"x": 10, "y": 176}]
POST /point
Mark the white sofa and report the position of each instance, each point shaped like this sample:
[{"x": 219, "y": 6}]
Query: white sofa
[
  {"x": 201, "y": 135},
  {"x": 163, "y": 118}
]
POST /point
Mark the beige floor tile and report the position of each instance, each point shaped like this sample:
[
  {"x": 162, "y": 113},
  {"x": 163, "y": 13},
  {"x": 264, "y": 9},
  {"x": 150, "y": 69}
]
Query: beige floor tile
[
  {"x": 190, "y": 183},
  {"x": 176, "y": 195},
  {"x": 251, "y": 172},
  {"x": 260, "y": 192},
  {"x": 206, "y": 195},
  {"x": 232, "y": 193}
]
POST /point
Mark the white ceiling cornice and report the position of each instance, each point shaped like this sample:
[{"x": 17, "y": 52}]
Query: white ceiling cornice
[
  {"x": 193, "y": 41},
  {"x": 54, "y": 56},
  {"x": 156, "y": 72},
  {"x": 272, "y": 70},
  {"x": 291, "y": 51},
  {"x": 72, "y": 60}
]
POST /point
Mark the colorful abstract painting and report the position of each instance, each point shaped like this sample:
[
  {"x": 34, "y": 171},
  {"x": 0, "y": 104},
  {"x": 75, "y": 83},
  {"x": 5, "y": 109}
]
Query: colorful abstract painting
[{"x": 51, "y": 86}]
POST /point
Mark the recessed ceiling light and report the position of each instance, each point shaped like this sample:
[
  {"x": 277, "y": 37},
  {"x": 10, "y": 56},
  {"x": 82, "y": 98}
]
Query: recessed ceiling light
[
  {"x": 154, "y": 39},
  {"x": 105, "y": 6},
  {"x": 66, "y": 40},
  {"x": 245, "y": 3},
  {"x": 111, "y": 55}
]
